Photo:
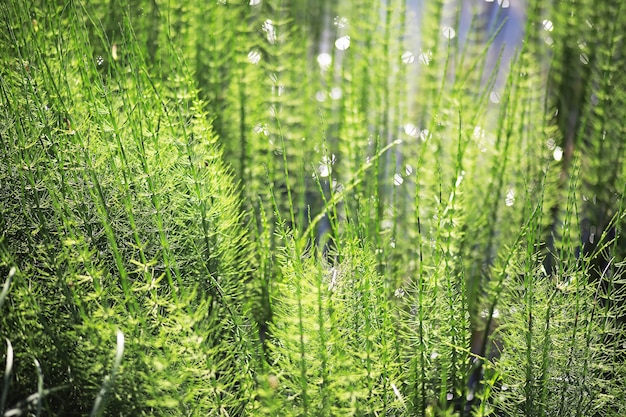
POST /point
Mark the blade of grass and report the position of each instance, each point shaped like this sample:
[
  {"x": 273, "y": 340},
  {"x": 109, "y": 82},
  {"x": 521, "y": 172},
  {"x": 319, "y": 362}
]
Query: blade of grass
[
  {"x": 7, "y": 376},
  {"x": 6, "y": 286},
  {"x": 107, "y": 384},
  {"x": 40, "y": 390}
]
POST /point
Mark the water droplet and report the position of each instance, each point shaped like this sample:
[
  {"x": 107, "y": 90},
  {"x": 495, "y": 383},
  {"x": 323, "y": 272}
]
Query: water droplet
[
  {"x": 255, "y": 2},
  {"x": 324, "y": 60},
  {"x": 582, "y": 44},
  {"x": 550, "y": 143},
  {"x": 505, "y": 4},
  {"x": 270, "y": 31},
  {"x": 392, "y": 243},
  {"x": 592, "y": 234},
  {"x": 424, "y": 58},
  {"x": 434, "y": 355},
  {"x": 343, "y": 43},
  {"x": 323, "y": 170},
  {"x": 478, "y": 133},
  {"x": 424, "y": 135},
  {"x": 397, "y": 179},
  {"x": 340, "y": 22},
  {"x": 494, "y": 97},
  {"x": 547, "y": 25},
  {"x": 399, "y": 293},
  {"x": 221, "y": 1},
  {"x": 558, "y": 153},
  {"x": 325, "y": 167},
  {"x": 335, "y": 93},
  {"x": 408, "y": 57},
  {"x": 510, "y": 197},
  {"x": 548, "y": 40},
  {"x": 408, "y": 170},
  {"x": 448, "y": 32},
  {"x": 411, "y": 130},
  {"x": 584, "y": 59},
  {"x": 254, "y": 57},
  {"x": 100, "y": 60},
  {"x": 449, "y": 396},
  {"x": 320, "y": 96},
  {"x": 114, "y": 52}
]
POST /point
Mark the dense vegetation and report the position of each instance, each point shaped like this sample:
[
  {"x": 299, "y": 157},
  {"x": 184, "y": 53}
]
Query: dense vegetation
[{"x": 303, "y": 207}]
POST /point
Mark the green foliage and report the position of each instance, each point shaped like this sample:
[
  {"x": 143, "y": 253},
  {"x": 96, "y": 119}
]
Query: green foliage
[
  {"x": 119, "y": 214},
  {"x": 333, "y": 325},
  {"x": 299, "y": 207}
]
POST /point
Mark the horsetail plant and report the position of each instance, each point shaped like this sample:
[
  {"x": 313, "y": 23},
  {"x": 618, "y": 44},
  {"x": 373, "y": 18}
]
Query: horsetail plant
[{"x": 307, "y": 207}]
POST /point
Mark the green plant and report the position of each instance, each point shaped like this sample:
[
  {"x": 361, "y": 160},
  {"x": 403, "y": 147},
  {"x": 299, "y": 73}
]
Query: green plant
[
  {"x": 135, "y": 226},
  {"x": 299, "y": 207}
]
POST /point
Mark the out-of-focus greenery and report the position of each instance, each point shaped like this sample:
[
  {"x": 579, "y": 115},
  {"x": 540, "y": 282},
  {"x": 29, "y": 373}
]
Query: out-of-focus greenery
[{"x": 312, "y": 208}]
